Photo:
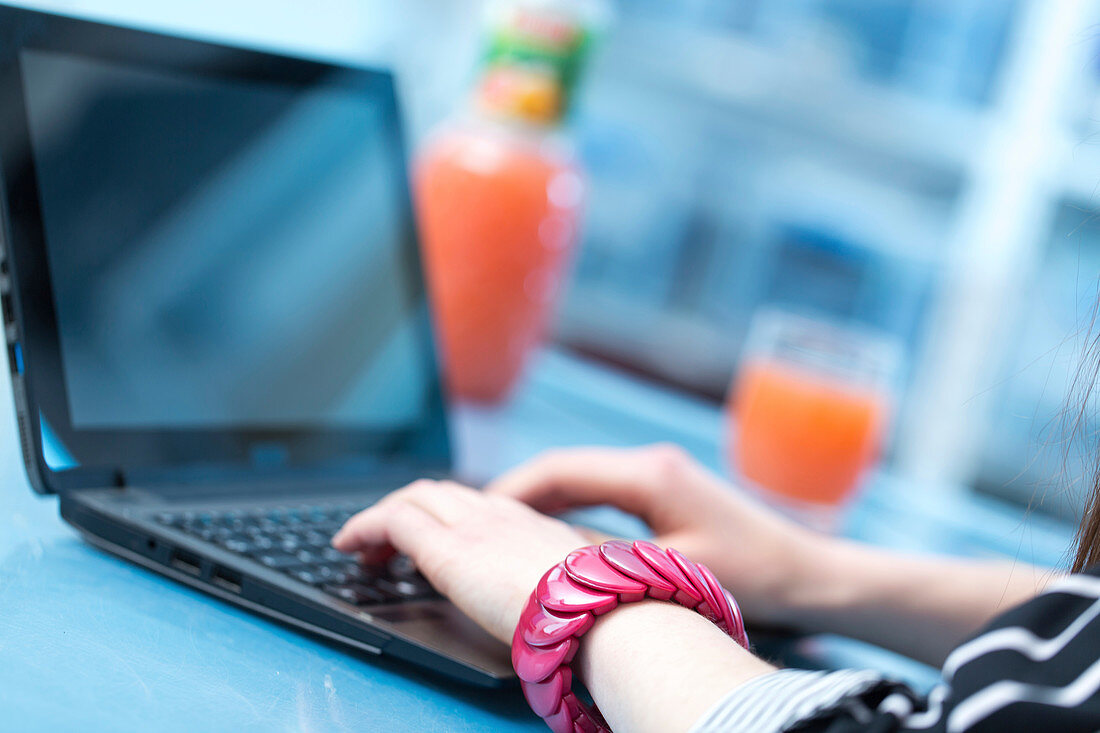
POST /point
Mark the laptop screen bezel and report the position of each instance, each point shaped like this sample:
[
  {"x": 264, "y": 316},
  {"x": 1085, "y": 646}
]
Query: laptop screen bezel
[{"x": 121, "y": 452}]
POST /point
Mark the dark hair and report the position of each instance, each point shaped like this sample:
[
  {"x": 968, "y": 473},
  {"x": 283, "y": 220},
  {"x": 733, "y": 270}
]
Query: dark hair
[
  {"x": 1088, "y": 534},
  {"x": 1073, "y": 429}
]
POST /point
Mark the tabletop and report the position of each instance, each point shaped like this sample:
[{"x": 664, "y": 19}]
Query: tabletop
[{"x": 89, "y": 642}]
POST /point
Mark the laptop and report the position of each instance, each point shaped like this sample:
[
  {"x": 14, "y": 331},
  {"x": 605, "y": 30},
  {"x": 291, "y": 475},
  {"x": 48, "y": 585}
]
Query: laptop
[{"x": 216, "y": 323}]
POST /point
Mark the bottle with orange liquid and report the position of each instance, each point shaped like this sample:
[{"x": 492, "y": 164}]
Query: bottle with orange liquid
[
  {"x": 809, "y": 410},
  {"x": 499, "y": 195}
]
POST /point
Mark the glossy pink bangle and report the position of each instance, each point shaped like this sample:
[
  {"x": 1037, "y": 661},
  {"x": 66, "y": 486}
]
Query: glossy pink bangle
[{"x": 590, "y": 582}]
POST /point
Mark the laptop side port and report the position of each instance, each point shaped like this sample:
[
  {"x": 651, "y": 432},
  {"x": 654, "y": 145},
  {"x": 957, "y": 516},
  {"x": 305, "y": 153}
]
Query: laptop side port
[
  {"x": 225, "y": 578},
  {"x": 185, "y": 561}
]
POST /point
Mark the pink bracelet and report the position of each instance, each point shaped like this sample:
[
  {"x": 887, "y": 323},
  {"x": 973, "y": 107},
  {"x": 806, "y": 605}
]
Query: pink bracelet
[{"x": 589, "y": 583}]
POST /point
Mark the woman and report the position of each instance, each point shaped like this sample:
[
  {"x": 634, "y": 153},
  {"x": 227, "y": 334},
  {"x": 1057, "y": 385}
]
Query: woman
[{"x": 655, "y": 666}]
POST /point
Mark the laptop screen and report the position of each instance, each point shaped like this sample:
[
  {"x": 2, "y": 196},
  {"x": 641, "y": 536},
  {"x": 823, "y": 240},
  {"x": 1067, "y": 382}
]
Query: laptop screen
[{"x": 228, "y": 254}]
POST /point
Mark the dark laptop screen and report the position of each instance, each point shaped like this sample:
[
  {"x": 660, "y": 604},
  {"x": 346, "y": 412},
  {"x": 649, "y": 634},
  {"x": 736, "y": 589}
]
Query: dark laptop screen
[{"x": 228, "y": 254}]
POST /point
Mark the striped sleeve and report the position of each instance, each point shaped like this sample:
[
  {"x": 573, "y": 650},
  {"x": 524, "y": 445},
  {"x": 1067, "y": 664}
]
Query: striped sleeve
[
  {"x": 1035, "y": 668},
  {"x": 774, "y": 702}
]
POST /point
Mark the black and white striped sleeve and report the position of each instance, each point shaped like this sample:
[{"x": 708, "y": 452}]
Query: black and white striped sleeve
[{"x": 1034, "y": 668}]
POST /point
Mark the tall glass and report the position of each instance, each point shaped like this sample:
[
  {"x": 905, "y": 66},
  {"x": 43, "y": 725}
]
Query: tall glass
[
  {"x": 499, "y": 216},
  {"x": 808, "y": 411}
]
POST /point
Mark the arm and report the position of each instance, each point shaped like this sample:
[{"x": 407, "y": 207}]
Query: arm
[
  {"x": 658, "y": 667},
  {"x": 782, "y": 574},
  {"x": 919, "y": 606},
  {"x": 651, "y": 666}
]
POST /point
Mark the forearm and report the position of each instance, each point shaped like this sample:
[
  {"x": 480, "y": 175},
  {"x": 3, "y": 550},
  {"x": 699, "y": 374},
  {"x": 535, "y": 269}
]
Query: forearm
[
  {"x": 655, "y": 666},
  {"x": 919, "y": 606}
]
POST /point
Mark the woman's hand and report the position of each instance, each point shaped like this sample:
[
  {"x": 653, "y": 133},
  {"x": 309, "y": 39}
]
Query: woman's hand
[
  {"x": 779, "y": 572},
  {"x": 759, "y": 555},
  {"x": 484, "y": 552}
]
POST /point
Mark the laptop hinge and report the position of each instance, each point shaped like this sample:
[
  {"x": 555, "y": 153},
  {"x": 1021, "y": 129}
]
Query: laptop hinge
[{"x": 147, "y": 477}]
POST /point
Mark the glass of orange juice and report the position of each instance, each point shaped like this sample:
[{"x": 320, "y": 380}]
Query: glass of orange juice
[
  {"x": 808, "y": 411},
  {"x": 499, "y": 213}
]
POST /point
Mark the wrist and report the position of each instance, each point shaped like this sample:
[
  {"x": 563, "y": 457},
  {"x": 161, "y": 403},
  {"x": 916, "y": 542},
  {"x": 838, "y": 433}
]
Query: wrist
[
  {"x": 655, "y": 665},
  {"x": 813, "y": 578},
  {"x": 593, "y": 581},
  {"x": 618, "y": 637},
  {"x": 831, "y": 578}
]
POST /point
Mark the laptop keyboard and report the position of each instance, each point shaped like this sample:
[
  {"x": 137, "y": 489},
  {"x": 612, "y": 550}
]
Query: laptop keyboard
[{"x": 295, "y": 542}]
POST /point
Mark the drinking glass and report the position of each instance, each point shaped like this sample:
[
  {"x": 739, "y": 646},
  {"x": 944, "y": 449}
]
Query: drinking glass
[{"x": 809, "y": 408}]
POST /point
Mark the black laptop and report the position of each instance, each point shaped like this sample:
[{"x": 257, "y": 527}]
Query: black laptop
[{"x": 216, "y": 324}]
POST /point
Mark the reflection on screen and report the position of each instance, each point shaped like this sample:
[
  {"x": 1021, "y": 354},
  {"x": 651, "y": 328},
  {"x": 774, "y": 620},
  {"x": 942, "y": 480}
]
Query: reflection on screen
[{"x": 223, "y": 254}]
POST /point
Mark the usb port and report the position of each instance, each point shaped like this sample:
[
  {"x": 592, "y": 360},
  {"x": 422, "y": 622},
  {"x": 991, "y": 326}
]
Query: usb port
[
  {"x": 8, "y": 308},
  {"x": 185, "y": 561},
  {"x": 225, "y": 578},
  {"x": 15, "y": 359}
]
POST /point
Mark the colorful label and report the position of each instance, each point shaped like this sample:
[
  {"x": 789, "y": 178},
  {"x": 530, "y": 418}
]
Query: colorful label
[{"x": 532, "y": 63}]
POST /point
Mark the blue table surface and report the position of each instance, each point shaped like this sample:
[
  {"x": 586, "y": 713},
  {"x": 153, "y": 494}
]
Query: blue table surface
[{"x": 89, "y": 642}]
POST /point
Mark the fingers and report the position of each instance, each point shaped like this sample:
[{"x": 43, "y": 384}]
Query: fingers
[
  {"x": 630, "y": 479},
  {"x": 402, "y": 526},
  {"x": 439, "y": 504},
  {"x": 448, "y": 502}
]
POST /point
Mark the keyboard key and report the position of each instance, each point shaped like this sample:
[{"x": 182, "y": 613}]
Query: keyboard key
[
  {"x": 406, "y": 589},
  {"x": 228, "y": 521},
  {"x": 366, "y": 571},
  {"x": 334, "y": 576},
  {"x": 263, "y": 543},
  {"x": 279, "y": 560},
  {"x": 237, "y": 545},
  {"x": 402, "y": 566},
  {"x": 309, "y": 556},
  {"x": 296, "y": 540},
  {"x": 341, "y": 573},
  {"x": 331, "y": 554},
  {"x": 308, "y": 577},
  {"x": 316, "y": 539}
]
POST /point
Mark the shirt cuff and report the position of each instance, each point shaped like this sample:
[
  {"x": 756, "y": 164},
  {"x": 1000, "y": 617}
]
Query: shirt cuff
[{"x": 777, "y": 701}]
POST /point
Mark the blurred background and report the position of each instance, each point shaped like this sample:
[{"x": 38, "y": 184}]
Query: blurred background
[{"x": 926, "y": 169}]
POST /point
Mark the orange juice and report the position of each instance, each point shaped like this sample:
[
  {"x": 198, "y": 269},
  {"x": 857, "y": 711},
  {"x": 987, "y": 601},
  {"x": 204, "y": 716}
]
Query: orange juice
[
  {"x": 498, "y": 196},
  {"x": 802, "y": 434},
  {"x": 498, "y": 217}
]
